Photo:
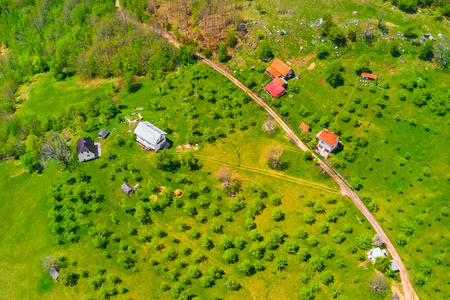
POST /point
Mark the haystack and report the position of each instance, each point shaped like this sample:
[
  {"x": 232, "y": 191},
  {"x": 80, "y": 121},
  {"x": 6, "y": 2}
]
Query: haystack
[
  {"x": 178, "y": 193},
  {"x": 153, "y": 197},
  {"x": 162, "y": 190}
]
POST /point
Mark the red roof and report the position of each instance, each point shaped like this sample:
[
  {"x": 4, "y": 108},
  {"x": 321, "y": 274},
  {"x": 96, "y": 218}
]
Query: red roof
[
  {"x": 279, "y": 81},
  {"x": 304, "y": 127},
  {"x": 368, "y": 75},
  {"x": 328, "y": 137},
  {"x": 274, "y": 89}
]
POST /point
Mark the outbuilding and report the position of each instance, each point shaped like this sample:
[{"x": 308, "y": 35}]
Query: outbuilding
[
  {"x": 304, "y": 127},
  {"x": 394, "y": 267},
  {"x": 128, "y": 189},
  {"x": 328, "y": 141},
  {"x": 54, "y": 270},
  {"x": 369, "y": 76},
  {"x": 87, "y": 149},
  {"x": 103, "y": 133}
]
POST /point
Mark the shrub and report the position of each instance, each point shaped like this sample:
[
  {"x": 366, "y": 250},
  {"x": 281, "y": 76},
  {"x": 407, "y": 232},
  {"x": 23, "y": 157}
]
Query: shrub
[
  {"x": 281, "y": 263},
  {"x": 230, "y": 256},
  {"x": 291, "y": 247},
  {"x": 300, "y": 233},
  {"x": 247, "y": 268},
  {"x": 309, "y": 218},
  {"x": 303, "y": 254},
  {"x": 222, "y": 54},
  {"x": 326, "y": 277},
  {"x": 316, "y": 264},
  {"x": 324, "y": 227},
  {"x": 277, "y": 214}
]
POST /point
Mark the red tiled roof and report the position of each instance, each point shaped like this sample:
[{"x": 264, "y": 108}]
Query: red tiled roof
[
  {"x": 328, "y": 137},
  {"x": 280, "y": 66},
  {"x": 368, "y": 75},
  {"x": 304, "y": 127},
  {"x": 274, "y": 89},
  {"x": 272, "y": 71}
]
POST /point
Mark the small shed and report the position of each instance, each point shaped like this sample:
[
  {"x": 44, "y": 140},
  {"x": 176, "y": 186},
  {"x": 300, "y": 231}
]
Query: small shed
[
  {"x": 54, "y": 270},
  {"x": 394, "y": 267},
  {"x": 368, "y": 76},
  {"x": 304, "y": 127},
  {"x": 127, "y": 188},
  {"x": 103, "y": 133},
  {"x": 274, "y": 89}
]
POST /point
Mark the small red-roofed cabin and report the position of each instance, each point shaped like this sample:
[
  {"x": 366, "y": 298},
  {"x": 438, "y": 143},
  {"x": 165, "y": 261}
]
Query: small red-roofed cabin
[
  {"x": 279, "y": 69},
  {"x": 368, "y": 76},
  {"x": 280, "y": 82},
  {"x": 328, "y": 141},
  {"x": 274, "y": 89},
  {"x": 304, "y": 127}
]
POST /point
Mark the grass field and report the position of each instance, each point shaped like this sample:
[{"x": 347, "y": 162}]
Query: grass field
[{"x": 243, "y": 151}]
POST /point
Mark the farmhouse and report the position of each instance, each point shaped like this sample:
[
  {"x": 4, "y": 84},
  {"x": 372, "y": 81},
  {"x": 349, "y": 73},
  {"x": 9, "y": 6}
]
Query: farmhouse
[
  {"x": 54, "y": 270},
  {"x": 304, "y": 127},
  {"x": 150, "y": 136},
  {"x": 368, "y": 76},
  {"x": 128, "y": 189},
  {"x": 103, "y": 133},
  {"x": 274, "y": 89},
  {"x": 328, "y": 141},
  {"x": 279, "y": 69},
  {"x": 376, "y": 252},
  {"x": 87, "y": 149}
]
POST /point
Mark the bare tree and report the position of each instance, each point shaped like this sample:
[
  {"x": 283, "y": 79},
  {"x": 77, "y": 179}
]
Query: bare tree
[
  {"x": 378, "y": 285},
  {"x": 377, "y": 240},
  {"x": 380, "y": 18},
  {"x": 273, "y": 157},
  {"x": 48, "y": 262},
  {"x": 56, "y": 148},
  {"x": 226, "y": 176}
]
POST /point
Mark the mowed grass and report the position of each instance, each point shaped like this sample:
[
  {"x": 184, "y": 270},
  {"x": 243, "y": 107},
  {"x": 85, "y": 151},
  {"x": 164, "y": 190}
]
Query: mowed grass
[{"x": 45, "y": 96}]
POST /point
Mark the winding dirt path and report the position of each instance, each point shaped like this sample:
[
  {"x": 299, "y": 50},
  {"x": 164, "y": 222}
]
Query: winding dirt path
[{"x": 408, "y": 289}]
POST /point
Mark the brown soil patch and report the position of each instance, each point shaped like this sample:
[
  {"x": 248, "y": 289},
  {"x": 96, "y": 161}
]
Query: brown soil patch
[
  {"x": 153, "y": 197},
  {"x": 363, "y": 264},
  {"x": 302, "y": 61},
  {"x": 178, "y": 193},
  {"x": 162, "y": 190},
  {"x": 312, "y": 66},
  {"x": 397, "y": 288},
  {"x": 321, "y": 81},
  {"x": 86, "y": 83}
]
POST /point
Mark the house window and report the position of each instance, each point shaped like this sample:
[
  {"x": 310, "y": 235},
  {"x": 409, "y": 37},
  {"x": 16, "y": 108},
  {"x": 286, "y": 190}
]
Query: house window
[{"x": 87, "y": 155}]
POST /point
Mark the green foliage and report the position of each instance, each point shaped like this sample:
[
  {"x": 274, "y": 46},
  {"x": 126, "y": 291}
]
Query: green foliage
[
  {"x": 426, "y": 50},
  {"x": 277, "y": 214},
  {"x": 231, "y": 38},
  {"x": 264, "y": 50},
  {"x": 222, "y": 54},
  {"x": 362, "y": 64},
  {"x": 382, "y": 264}
]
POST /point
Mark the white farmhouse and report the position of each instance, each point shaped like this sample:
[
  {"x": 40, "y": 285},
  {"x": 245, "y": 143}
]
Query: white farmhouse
[
  {"x": 376, "y": 252},
  {"x": 87, "y": 149},
  {"x": 150, "y": 136},
  {"x": 328, "y": 141}
]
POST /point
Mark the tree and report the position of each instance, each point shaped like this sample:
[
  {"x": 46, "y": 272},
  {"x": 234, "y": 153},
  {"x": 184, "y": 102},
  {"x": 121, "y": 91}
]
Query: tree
[
  {"x": 377, "y": 240},
  {"x": 273, "y": 157},
  {"x": 277, "y": 214},
  {"x": 324, "y": 227},
  {"x": 316, "y": 264},
  {"x": 247, "y": 268},
  {"x": 407, "y": 5},
  {"x": 420, "y": 279},
  {"x": 230, "y": 256},
  {"x": 207, "y": 52},
  {"x": 382, "y": 263},
  {"x": 393, "y": 49},
  {"x": 442, "y": 54},
  {"x": 362, "y": 64},
  {"x": 364, "y": 241},
  {"x": 56, "y": 148},
  {"x": 226, "y": 176},
  {"x": 326, "y": 277},
  {"x": 303, "y": 254},
  {"x": 378, "y": 285},
  {"x": 231, "y": 38},
  {"x": 291, "y": 247},
  {"x": 281, "y": 263},
  {"x": 33, "y": 145},
  {"x": 309, "y": 218},
  {"x": 264, "y": 50},
  {"x": 222, "y": 54},
  {"x": 426, "y": 50},
  {"x": 322, "y": 51},
  {"x": 30, "y": 162}
]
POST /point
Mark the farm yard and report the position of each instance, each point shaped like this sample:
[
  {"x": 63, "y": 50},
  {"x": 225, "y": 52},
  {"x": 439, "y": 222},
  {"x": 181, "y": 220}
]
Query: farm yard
[{"x": 229, "y": 206}]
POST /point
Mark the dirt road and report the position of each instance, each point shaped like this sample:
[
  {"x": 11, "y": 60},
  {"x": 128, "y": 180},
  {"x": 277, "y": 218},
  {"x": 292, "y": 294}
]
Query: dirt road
[{"x": 408, "y": 290}]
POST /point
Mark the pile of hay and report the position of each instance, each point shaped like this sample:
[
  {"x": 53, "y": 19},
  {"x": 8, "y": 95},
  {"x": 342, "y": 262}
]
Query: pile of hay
[
  {"x": 162, "y": 190},
  {"x": 153, "y": 197},
  {"x": 178, "y": 193}
]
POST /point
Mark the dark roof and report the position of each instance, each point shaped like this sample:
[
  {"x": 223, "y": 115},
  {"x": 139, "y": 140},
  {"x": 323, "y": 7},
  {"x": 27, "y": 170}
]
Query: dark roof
[
  {"x": 103, "y": 133},
  {"x": 86, "y": 145},
  {"x": 54, "y": 272},
  {"x": 127, "y": 188}
]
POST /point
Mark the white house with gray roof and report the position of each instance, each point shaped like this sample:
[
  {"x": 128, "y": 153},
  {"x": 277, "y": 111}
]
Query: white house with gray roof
[
  {"x": 376, "y": 252},
  {"x": 87, "y": 149},
  {"x": 150, "y": 136}
]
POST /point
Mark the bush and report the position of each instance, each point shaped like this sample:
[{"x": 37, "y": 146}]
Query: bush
[
  {"x": 420, "y": 279},
  {"x": 316, "y": 264},
  {"x": 303, "y": 254},
  {"x": 309, "y": 218},
  {"x": 326, "y": 277},
  {"x": 222, "y": 54},
  {"x": 362, "y": 64},
  {"x": 246, "y": 268},
  {"x": 291, "y": 247},
  {"x": 264, "y": 50},
  {"x": 281, "y": 263},
  {"x": 207, "y": 52},
  {"x": 230, "y": 256}
]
